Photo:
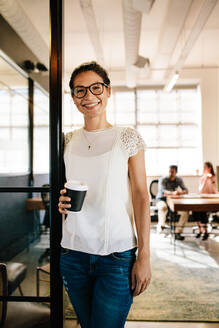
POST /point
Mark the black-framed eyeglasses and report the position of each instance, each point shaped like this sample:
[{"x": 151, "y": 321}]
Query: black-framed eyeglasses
[{"x": 95, "y": 88}]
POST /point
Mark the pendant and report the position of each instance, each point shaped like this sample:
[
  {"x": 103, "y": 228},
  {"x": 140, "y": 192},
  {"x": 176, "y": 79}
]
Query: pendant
[{"x": 89, "y": 147}]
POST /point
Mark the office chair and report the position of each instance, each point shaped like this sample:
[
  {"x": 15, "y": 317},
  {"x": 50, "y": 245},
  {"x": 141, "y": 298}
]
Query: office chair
[
  {"x": 20, "y": 314},
  {"x": 16, "y": 273},
  {"x": 153, "y": 189},
  {"x": 44, "y": 269}
]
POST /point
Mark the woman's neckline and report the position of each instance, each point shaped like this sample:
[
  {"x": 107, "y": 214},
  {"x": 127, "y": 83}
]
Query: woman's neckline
[{"x": 99, "y": 130}]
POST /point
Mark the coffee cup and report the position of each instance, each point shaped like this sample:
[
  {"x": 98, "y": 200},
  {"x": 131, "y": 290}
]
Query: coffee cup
[{"x": 76, "y": 190}]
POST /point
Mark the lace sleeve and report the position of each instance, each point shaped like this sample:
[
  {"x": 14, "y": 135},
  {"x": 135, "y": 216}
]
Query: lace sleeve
[
  {"x": 68, "y": 137},
  {"x": 132, "y": 141}
]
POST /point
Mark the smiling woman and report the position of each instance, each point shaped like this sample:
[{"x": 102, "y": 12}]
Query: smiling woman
[
  {"x": 100, "y": 270},
  {"x": 90, "y": 95}
]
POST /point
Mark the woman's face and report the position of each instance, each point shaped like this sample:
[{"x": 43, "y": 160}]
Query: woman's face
[{"x": 91, "y": 105}]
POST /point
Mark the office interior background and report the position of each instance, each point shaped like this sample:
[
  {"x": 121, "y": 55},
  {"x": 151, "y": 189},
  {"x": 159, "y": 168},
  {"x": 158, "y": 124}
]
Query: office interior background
[{"x": 163, "y": 61}]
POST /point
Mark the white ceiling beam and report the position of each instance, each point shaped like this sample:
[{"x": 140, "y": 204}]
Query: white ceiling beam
[
  {"x": 202, "y": 19},
  {"x": 14, "y": 14},
  {"x": 205, "y": 12},
  {"x": 172, "y": 27},
  {"x": 92, "y": 29}
]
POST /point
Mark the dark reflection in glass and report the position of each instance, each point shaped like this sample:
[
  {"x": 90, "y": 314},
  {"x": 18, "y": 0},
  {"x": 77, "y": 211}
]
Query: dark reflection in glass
[
  {"x": 24, "y": 242},
  {"x": 24, "y": 220}
]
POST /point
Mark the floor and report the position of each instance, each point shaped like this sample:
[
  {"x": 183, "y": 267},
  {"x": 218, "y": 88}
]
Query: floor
[
  {"x": 73, "y": 324},
  {"x": 31, "y": 258}
]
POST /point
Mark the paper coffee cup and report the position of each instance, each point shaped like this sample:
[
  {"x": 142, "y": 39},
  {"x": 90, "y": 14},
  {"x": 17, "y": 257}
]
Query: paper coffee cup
[{"x": 76, "y": 190}]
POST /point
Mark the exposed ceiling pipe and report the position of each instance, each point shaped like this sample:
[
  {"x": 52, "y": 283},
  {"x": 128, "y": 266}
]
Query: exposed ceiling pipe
[
  {"x": 14, "y": 14},
  {"x": 143, "y": 5},
  {"x": 132, "y": 29},
  {"x": 200, "y": 22},
  {"x": 92, "y": 29}
]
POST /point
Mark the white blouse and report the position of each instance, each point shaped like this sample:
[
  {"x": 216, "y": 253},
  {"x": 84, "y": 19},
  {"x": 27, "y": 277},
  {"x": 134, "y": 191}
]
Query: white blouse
[{"x": 100, "y": 159}]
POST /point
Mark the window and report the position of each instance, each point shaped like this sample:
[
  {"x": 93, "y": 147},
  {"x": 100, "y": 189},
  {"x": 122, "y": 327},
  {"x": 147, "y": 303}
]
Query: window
[
  {"x": 124, "y": 111},
  {"x": 14, "y": 120},
  {"x": 170, "y": 124},
  {"x": 72, "y": 117},
  {"x": 41, "y": 131}
]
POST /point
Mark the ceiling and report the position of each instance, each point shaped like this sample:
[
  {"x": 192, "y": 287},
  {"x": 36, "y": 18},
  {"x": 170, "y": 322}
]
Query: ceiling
[
  {"x": 164, "y": 32},
  {"x": 9, "y": 78}
]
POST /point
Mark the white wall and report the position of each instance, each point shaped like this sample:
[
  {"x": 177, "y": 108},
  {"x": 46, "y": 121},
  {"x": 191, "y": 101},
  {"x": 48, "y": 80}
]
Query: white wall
[{"x": 209, "y": 84}]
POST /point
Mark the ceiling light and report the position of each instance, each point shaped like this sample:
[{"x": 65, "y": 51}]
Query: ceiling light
[{"x": 168, "y": 87}]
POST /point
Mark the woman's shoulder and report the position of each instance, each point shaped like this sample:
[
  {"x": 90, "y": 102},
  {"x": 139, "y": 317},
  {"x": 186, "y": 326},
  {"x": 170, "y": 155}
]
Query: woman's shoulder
[
  {"x": 68, "y": 136},
  {"x": 131, "y": 140}
]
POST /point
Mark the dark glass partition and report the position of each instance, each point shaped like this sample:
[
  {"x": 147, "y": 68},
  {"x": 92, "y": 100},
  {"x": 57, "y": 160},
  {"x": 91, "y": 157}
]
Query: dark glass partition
[{"x": 30, "y": 229}]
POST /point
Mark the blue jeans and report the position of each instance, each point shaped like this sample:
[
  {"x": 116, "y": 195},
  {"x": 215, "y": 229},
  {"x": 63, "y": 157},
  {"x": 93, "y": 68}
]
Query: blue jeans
[{"x": 99, "y": 286}]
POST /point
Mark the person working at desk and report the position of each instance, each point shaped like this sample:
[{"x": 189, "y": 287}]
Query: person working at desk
[
  {"x": 207, "y": 185},
  {"x": 170, "y": 185}
]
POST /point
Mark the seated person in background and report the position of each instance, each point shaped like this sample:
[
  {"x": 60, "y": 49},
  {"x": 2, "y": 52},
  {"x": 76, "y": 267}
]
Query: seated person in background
[
  {"x": 170, "y": 185},
  {"x": 207, "y": 185}
]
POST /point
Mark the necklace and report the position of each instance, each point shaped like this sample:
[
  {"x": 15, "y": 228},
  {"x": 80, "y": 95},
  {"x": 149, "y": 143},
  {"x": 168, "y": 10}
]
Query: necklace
[
  {"x": 91, "y": 142},
  {"x": 88, "y": 141}
]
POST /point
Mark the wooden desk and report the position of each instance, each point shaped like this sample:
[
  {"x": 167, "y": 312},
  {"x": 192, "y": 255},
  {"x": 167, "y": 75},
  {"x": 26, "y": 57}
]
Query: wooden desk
[
  {"x": 199, "y": 204},
  {"x": 35, "y": 203}
]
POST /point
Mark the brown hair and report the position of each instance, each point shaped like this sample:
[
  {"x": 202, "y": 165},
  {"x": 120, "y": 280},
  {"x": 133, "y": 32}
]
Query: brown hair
[
  {"x": 90, "y": 66},
  {"x": 210, "y": 166}
]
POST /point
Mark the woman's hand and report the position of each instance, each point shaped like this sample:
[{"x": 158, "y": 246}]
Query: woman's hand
[
  {"x": 62, "y": 205},
  {"x": 141, "y": 276}
]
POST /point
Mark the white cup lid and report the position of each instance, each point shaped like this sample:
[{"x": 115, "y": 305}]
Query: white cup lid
[{"x": 76, "y": 185}]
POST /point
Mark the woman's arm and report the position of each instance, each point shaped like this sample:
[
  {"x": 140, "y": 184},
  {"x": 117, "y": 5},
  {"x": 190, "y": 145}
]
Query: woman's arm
[
  {"x": 202, "y": 183},
  {"x": 214, "y": 186},
  {"x": 141, "y": 272},
  {"x": 208, "y": 184}
]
